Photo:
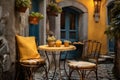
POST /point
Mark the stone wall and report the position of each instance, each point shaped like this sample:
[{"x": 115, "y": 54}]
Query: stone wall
[
  {"x": 16, "y": 23},
  {"x": 8, "y": 8},
  {"x": 9, "y": 35}
]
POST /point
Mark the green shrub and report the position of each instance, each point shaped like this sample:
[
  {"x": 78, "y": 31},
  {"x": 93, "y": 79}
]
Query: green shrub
[
  {"x": 53, "y": 7},
  {"x": 23, "y": 3}
]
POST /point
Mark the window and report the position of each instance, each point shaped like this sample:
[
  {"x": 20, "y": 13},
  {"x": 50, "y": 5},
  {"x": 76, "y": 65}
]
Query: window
[{"x": 63, "y": 20}]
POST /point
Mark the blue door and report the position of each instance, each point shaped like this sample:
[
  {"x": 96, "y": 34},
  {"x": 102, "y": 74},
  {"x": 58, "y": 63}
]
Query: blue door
[
  {"x": 111, "y": 45},
  {"x": 69, "y": 26},
  {"x": 34, "y": 29},
  {"x": 110, "y": 42}
]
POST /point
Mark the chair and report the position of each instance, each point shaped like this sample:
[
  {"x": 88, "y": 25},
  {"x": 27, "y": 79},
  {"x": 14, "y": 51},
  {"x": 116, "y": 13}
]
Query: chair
[
  {"x": 89, "y": 61},
  {"x": 28, "y": 60}
]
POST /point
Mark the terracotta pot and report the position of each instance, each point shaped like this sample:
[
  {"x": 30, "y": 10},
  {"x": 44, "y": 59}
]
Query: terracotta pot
[
  {"x": 50, "y": 13},
  {"x": 33, "y": 20},
  {"x": 21, "y": 9},
  {"x": 51, "y": 43}
]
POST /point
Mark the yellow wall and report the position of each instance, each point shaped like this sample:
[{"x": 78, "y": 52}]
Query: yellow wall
[{"x": 96, "y": 30}]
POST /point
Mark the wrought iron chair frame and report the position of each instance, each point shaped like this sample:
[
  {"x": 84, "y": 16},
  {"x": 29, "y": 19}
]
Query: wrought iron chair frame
[
  {"x": 93, "y": 53},
  {"x": 27, "y": 70}
]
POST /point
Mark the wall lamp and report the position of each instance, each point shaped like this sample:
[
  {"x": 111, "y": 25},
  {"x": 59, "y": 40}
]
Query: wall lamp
[{"x": 97, "y": 5}]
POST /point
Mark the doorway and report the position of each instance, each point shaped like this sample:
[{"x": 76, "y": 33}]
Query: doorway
[
  {"x": 70, "y": 27},
  {"x": 111, "y": 42},
  {"x": 34, "y": 29},
  {"x": 69, "y": 24}
]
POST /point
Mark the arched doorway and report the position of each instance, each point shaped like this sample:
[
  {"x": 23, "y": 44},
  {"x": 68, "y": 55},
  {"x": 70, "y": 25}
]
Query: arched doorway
[
  {"x": 78, "y": 12},
  {"x": 73, "y": 23},
  {"x": 70, "y": 23}
]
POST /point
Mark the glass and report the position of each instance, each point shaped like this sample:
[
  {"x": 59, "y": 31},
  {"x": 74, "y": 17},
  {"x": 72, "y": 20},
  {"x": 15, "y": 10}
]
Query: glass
[
  {"x": 63, "y": 34},
  {"x": 72, "y": 21},
  {"x": 66, "y": 43},
  {"x": 72, "y": 35},
  {"x": 63, "y": 20}
]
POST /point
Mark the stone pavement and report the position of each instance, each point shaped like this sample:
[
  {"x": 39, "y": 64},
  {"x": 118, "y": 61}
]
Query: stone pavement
[{"x": 104, "y": 73}]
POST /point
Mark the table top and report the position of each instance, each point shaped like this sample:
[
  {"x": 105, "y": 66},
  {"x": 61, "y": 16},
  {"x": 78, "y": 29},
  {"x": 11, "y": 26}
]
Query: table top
[{"x": 61, "y": 48}]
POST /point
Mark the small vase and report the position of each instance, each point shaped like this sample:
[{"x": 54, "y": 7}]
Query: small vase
[
  {"x": 58, "y": 43},
  {"x": 51, "y": 43},
  {"x": 66, "y": 44}
]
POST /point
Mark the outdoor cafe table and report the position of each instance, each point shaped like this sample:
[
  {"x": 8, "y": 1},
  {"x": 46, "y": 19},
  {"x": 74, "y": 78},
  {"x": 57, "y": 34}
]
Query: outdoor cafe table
[{"x": 54, "y": 51}]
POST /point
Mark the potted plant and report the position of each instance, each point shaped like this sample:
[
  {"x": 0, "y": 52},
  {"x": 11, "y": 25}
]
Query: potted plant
[
  {"x": 113, "y": 31},
  {"x": 51, "y": 39},
  {"x": 53, "y": 9},
  {"x": 34, "y": 17},
  {"x": 22, "y": 5}
]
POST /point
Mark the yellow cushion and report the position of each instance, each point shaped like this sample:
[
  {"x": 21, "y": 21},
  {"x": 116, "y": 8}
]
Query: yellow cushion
[{"x": 27, "y": 47}]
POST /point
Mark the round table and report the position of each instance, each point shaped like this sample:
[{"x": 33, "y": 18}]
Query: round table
[
  {"x": 61, "y": 48},
  {"x": 53, "y": 51}
]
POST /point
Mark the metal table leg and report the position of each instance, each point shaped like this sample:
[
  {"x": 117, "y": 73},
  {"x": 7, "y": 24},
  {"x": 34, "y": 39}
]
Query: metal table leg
[{"x": 56, "y": 65}]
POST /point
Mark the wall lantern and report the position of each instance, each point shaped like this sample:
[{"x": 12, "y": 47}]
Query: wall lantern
[{"x": 97, "y": 5}]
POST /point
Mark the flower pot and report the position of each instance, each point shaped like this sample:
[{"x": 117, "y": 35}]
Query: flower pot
[
  {"x": 50, "y": 13},
  {"x": 53, "y": 9},
  {"x": 33, "y": 20},
  {"x": 51, "y": 43},
  {"x": 22, "y": 9}
]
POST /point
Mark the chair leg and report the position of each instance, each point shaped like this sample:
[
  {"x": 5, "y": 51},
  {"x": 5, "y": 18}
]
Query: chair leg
[
  {"x": 83, "y": 74},
  {"x": 46, "y": 72},
  {"x": 96, "y": 74},
  {"x": 70, "y": 73}
]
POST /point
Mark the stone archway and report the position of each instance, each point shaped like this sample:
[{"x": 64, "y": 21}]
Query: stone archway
[{"x": 83, "y": 19}]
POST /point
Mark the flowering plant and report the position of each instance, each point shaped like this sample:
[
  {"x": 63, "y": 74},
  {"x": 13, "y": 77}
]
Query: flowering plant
[
  {"x": 51, "y": 36},
  {"x": 54, "y": 8},
  {"x": 36, "y": 14},
  {"x": 23, "y": 3}
]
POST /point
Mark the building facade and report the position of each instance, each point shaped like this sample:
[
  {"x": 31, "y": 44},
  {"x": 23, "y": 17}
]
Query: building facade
[{"x": 75, "y": 23}]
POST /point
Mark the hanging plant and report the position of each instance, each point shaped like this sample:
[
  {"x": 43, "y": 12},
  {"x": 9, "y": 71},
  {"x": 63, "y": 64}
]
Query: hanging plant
[
  {"x": 53, "y": 9},
  {"x": 22, "y": 5},
  {"x": 34, "y": 17}
]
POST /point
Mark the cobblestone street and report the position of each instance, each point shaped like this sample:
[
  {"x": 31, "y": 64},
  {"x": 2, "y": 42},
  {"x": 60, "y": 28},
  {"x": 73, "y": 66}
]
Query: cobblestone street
[{"x": 104, "y": 73}]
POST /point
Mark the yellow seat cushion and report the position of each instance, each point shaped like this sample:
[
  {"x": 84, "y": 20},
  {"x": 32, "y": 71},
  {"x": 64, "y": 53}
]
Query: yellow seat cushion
[{"x": 27, "y": 47}]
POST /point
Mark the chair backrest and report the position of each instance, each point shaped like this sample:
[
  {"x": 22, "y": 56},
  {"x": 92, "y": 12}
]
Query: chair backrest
[
  {"x": 91, "y": 49},
  {"x": 27, "y": 48}
]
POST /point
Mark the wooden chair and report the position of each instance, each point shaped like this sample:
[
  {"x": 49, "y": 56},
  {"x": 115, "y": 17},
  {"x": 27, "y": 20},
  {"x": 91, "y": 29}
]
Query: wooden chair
[
  {"x": 89, "y": 62},
  {"x": 26, "y": 68}
]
